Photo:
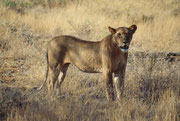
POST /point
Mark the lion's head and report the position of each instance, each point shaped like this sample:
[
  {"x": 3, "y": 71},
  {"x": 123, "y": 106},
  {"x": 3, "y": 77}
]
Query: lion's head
[{"x": 122, "y": 36}]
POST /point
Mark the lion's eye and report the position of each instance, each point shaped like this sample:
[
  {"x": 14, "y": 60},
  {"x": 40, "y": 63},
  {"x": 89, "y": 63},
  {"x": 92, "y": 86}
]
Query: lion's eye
[{"x": 119, "y": 35}]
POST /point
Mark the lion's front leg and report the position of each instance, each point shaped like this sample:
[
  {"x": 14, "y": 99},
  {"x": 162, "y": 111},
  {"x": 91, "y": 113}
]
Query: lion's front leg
[
  {"x": 119, "y": 82},
  {"x": 109, "y": 86}
]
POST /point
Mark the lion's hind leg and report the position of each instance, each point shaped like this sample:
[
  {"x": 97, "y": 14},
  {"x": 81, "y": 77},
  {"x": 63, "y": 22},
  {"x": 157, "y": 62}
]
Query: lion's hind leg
[
  {"x": 57, "y": 77},
  {"x": 63, "y": 73},
  {"x": 53, "y": 81}
]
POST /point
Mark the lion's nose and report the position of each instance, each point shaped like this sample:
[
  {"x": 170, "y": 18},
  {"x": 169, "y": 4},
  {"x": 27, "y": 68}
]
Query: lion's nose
[{"x": 124, "y": 42}]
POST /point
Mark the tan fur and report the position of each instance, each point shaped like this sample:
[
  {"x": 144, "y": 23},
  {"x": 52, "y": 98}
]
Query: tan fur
[{"x": 108, "y": 56}]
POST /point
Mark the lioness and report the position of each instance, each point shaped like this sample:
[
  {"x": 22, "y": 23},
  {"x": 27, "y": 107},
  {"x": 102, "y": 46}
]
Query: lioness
[{"x": 108, "y": 56}]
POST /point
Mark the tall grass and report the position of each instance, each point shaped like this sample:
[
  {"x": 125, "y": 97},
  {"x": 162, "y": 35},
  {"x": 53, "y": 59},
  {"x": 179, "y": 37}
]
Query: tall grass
[
  {"x": 151, "y": 84},
  {"x": 158, "y": 25}
]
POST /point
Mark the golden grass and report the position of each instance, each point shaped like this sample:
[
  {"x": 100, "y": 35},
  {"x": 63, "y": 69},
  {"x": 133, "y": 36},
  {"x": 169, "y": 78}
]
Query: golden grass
[
  {"x": 158, "y": 27},
  {"x": 151, "y": 86}
]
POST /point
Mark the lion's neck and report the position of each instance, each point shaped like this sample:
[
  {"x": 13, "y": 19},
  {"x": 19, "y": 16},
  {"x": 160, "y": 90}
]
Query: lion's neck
[{"x": 108, "y": 41}]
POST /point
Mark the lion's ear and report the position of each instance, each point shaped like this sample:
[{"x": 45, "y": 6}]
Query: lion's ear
[
  {"x": 133, "y": 28},
  {"x": 112, "y": 30}
]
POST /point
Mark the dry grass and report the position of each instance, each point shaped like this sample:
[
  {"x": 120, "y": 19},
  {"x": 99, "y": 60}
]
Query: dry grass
[
  {"x": 158, "y": 22},
  {"x": 152, "y": 90}
]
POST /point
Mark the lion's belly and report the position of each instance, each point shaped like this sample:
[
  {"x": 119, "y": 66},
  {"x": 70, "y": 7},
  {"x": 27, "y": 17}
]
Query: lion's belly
[
  {"x": 90, "y": 66},
  {"x": 86, "y": 62},
  {"x": 89, "y": 69}
]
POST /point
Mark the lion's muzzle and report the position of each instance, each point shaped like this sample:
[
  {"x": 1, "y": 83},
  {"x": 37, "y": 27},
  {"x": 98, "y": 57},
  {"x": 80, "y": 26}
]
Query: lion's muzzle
[{"x": 124, "y": 47}]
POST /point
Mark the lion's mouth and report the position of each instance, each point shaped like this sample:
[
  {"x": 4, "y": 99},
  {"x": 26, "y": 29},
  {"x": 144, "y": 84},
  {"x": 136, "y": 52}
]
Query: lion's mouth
[{"x": 124, "y": 48}]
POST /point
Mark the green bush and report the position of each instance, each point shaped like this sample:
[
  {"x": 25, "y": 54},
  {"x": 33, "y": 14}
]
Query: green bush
[
  {"x": 9, "y": 3},
  {"x": 15, "y": 4},
  {"x": 33, "y": 3}
]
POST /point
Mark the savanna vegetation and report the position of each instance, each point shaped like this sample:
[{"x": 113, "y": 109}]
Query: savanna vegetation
[{"x": 152, "y": 82}]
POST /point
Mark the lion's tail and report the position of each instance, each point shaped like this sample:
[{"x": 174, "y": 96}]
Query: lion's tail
[{"x": 47, "y": 71}]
